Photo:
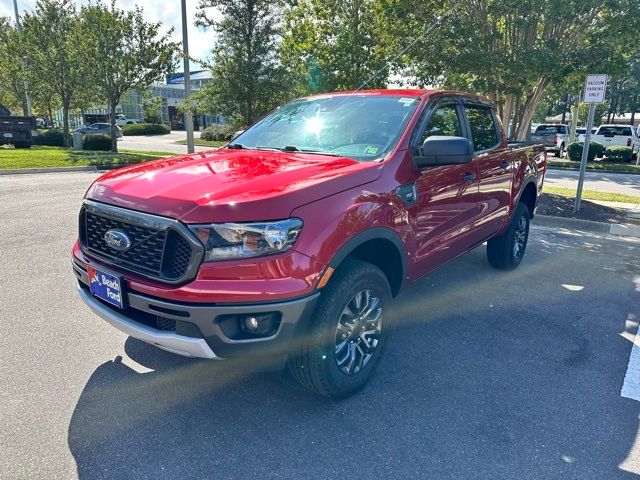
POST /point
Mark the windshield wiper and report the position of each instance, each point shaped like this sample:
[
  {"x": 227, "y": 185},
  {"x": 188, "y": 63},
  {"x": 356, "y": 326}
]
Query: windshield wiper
[
  {"x": 271, "y": 149},
  {"x": 240, "y": 146},
  {"x": 293, "y": 148}
]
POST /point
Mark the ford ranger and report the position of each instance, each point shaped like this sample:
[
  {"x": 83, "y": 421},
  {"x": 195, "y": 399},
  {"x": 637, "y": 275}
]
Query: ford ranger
[{"x": 288, "y": 244}]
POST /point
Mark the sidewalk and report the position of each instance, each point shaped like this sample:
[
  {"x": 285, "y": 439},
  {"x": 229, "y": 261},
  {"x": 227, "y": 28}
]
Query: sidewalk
[
  {"x": 610, "y": 231},
  {"x": 632, "y": 209}
]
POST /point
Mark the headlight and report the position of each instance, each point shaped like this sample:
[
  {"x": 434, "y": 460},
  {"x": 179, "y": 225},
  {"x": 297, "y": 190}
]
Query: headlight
[{"x": 224, "y": 241}]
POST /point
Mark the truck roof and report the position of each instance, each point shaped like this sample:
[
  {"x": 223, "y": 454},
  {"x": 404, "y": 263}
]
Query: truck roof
[{"x": 405, "y": 92}]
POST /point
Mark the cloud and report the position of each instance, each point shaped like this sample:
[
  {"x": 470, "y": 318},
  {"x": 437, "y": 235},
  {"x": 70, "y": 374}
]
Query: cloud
[{"x": 167, "y": 12}]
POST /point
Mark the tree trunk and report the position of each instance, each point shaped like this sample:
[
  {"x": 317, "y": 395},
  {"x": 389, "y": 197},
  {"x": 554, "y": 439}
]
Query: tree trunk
[
  {"x": 50, "y": 111},
  {"x": 65, "y": 122},
  {"x": 112, "y": 129},
  {"x": 507, "y": 111},
  {"x": 633, "y": 107},
  {"x": 529, "y": 109},
  {"x": 516, "y": 118}
]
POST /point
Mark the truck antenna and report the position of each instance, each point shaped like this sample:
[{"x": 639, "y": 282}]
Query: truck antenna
[{"x": 437, "y": 20}]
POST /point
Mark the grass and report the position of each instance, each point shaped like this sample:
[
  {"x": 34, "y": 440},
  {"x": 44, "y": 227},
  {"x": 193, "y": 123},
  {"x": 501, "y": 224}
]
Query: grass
[
  {"x": 596, "y": 166},
  {"x": 593, "y": 195},
  {"x": 48, "y": 157},
  {"x": 203, "y": 143}
]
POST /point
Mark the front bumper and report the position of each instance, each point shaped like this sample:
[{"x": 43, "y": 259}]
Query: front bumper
[{"x": 202, "y": 330}]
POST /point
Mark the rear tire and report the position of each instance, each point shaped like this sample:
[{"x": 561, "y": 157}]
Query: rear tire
[
  {"x": 558, "y": 152},
  {"x": 341, "y": 351},
  {"x": 506, "y": 251}
]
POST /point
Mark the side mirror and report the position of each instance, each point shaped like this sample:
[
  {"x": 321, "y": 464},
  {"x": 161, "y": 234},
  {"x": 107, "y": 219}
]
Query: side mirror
[{"x": 441, "y": 150}]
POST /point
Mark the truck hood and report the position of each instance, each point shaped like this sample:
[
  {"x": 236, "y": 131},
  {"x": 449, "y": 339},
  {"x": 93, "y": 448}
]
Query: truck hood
[{"x": 231, "y": 185}]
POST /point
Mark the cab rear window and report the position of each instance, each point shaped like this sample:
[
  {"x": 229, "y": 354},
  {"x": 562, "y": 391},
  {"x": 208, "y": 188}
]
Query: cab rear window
[{"x": 615, "y": 131}]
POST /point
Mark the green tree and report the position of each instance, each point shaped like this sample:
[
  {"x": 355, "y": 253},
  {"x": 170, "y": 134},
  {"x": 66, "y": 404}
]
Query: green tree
[
  {"x": 513, "y": 51},
  {"x": 334, "y": 44},
  {"x": 52, "y": 51},
  {"x": 12, "y": 71},
  {"x": 152, "y": 107},
  {"x": 123, "y": 52},
  {"x": 247, "y": 78}
]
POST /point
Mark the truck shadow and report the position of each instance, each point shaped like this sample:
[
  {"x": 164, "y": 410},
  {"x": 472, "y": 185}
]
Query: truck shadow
[{"x": 489, "y": 375}]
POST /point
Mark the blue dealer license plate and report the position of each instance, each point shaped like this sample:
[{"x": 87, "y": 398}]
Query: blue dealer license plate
[{"x": 106, "y": 287}]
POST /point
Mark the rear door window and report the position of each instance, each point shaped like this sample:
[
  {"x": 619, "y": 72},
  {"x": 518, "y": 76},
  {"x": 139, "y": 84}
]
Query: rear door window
[{"x": 484, "y": 132}]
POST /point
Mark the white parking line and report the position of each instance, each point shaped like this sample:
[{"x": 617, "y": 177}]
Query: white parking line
[{"x": 631, "y": 384}]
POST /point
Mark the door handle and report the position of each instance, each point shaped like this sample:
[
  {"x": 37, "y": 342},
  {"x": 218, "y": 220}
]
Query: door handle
[
  {"x": 505, "y": 165},
  {"x": 469, "y": 176}
]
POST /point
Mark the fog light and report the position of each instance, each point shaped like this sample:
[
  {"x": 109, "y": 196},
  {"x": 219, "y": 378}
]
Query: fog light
[
  {"x": 259, "y": 325},
  {"x": 251, "y": 324}
]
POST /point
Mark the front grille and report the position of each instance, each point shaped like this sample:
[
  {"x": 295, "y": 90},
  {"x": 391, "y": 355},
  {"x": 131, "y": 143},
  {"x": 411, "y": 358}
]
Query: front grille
[{"x": 161, "y": 253}]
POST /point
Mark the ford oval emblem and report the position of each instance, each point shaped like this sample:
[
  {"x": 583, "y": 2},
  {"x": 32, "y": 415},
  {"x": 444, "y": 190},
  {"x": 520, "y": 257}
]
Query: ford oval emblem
[{"x": 118, "y": 240}]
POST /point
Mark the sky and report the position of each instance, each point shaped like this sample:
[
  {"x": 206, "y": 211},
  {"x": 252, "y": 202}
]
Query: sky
[{"x": 167, "y": 12}]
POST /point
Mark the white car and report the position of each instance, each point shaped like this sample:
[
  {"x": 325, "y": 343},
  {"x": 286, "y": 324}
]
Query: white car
[
  {"x": 122, "y": 120},
  {"x": 581, "y": 133},
  {"x": 622, "y": 135}
]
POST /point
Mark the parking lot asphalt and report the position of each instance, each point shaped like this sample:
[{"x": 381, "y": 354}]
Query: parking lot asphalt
[
  {"x": 489, "y": 375},
  {"x": 626, "y": 183},
  {"x": 159, "y": 143}
]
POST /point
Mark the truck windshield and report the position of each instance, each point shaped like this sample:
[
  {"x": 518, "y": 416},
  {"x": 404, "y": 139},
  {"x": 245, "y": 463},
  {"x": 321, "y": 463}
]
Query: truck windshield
[{"x": 359, "y": 126}]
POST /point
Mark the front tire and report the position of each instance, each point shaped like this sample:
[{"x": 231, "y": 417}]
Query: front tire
[
  {"x": 347, "y": 336},
  {"x": 506, "y": 251}
]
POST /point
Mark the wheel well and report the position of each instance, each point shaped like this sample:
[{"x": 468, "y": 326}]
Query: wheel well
[
  {"x": 384, "y": 255},
  {"x": 528, "y": 197}
]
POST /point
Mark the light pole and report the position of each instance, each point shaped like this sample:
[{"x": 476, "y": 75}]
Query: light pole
[
  {"x": 27, "y": 100},
  {"x": 188, "y": 119}
]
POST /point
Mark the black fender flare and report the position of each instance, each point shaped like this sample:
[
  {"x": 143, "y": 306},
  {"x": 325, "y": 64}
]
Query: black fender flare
[
  {"x": 373, "y": 233},
  {"x": 529, "y": 181}
]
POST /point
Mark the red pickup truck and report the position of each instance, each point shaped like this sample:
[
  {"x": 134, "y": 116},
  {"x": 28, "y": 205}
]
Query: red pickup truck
[{"x": 289, "y": 243}]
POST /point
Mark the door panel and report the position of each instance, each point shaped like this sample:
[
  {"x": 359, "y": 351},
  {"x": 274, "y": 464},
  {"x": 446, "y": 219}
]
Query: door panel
[
  {"x": 495, "y": 165},
  {"x": 447, "y": 209},
  {"x": 494, "y": 192},
  {"x": 446, "y": 200}
]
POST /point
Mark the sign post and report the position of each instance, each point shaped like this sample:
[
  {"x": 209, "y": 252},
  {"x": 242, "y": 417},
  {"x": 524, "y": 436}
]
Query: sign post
[{"x": 595, "y": 89}]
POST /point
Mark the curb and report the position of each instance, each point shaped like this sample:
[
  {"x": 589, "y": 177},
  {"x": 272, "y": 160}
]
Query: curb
[
  {"x": 88, "y": 168},
  {"x": 600, "y": 228},
  {"x": 24, "y": 171}
]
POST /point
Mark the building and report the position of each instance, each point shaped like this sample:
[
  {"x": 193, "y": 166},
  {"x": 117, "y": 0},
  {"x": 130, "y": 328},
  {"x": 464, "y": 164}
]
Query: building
[{"x": 172, "y": 94}]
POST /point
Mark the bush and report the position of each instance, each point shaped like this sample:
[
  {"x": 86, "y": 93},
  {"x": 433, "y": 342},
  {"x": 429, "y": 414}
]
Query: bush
[
  {"x": 145, "y": 129},
  {"x": 574, "y": 151},
  {"x": 52, "y": 137},
  {"x": 618, "y": 153},
  {"x": 217, "y": 132},
  {"x": 96, "y": 141}
]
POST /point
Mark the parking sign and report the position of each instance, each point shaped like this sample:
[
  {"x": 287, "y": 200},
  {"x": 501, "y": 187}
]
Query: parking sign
[{"x": 595, "y": 88}]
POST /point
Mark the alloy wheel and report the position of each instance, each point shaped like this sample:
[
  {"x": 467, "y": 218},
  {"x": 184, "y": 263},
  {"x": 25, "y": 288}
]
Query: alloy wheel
[
  {"x": 358, "y": 332},
  {"x": 520, "y": 238}
]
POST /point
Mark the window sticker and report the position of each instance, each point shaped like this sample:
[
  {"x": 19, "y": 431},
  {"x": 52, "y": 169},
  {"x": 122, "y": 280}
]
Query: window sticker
[
  {"x": 407, "y": 102},
  {"x": 371, "y": 150}
]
